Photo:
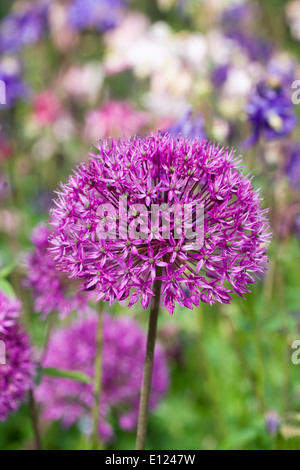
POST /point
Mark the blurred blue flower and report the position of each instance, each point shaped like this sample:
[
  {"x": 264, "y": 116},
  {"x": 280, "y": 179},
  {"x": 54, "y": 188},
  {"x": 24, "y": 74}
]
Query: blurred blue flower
[
  {"x": 219, "y": 75},
  {"x": 15, "y": 87},
  {"x": 18, "y": 30},
  {"x": 293, "y": 167},
  {"x": 239, "y": 23},
  {"x": 272, "y": 422},
  {"x": 190, "y": 125},
  {"x": 257, "y": 49},
  {"x": 99, "y": 14},
  {"x": 270, "y": 112}
]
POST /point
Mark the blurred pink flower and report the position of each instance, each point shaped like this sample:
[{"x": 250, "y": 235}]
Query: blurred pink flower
[
  {"x": 82, "y": 82},
  {"x": 46, "y": 108},
  {"x": 114, "y": 119},
  {"x": 6, "y": 148}
]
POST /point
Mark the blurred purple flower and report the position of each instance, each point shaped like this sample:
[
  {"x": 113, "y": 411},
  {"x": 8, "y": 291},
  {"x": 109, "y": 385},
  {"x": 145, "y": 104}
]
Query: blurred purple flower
[
  {"x": 3, "y": 190},
  {"x": 15, "y": 87},
  {"x": 179, "y": 173},
  {"x": 21, "y": 29},
  {"x": 293, "y": 167},
  {"x": 16, "y": 375},
  {"x": 219, "y": 75},
  {"x": 272, "y": 422},
  {"x": 297, "y": 225},
  {"x": 239, "y": 24},
  {"x": 257, "y": 49},
  {"x": 124, "y": 346},
  {"x": 99, "y": 14},
  {"x": 270, "y": 112},
  {"x": 190, "y": 125},
  {"x": 50, "y": 290}
]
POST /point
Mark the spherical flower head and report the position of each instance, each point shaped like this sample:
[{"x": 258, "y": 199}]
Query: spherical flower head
[
  {"x": 51, "y": 291},
  {"x": 175, "y": 210},
  {"x": 74, "y": 348},
  {"x": 9, "y": 312},
  {"x": 16, "y": 364},
  {"x": 270, "y": 112}
]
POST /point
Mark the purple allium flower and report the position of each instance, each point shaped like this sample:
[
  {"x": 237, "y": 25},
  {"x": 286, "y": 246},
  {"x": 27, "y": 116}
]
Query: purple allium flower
[
  {"x": 189, "y": 125},
  {"x": 11, "y": 75},
  {"x": 52, "y": 292},
  {"x": 9, "y": 312},
  {"x": 272, "y": 422},
  {"x": 293, "y": 167},
  {"x": 270, "y": 112},
  {"x": 74, "y": 348},
  {"x": 121, "y": 252},
  {"x": 21, "y": 29},
  {"x": 16, "y": 375},
  {"x": 100, "y": 14}
]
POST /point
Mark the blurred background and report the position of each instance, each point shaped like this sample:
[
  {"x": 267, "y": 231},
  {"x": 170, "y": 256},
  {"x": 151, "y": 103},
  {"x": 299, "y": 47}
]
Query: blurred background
[{"x": 76, "y": 71}]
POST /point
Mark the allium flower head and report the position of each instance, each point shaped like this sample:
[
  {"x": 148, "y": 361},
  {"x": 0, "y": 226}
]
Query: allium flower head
[
  {"x": 50, "y": 290},
  {"x": 270, "y": 112},
  {"x": 74, "y": 348},
  {"x": 17, "y": 368},
  {"x": 134, "y": 214}
]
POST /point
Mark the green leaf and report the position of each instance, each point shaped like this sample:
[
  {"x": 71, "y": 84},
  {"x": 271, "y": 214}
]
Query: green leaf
[
  {"x": 67, "y": 374},
  {"x": 7, "y": 270},
  {"x": 6, "y": 288}
]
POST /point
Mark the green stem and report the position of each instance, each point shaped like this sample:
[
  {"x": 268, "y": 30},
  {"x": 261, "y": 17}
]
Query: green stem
[
  {"x": 148, "y": 367},
  {"x": 96, "y": 444},
  {"x": 34, "y": 419}
]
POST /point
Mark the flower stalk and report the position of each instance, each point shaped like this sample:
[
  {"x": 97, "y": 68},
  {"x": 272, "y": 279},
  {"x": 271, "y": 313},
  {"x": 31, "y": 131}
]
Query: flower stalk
[
  {"x": 96, "y": 444},
  {"x": 148, "y": 366},
  {"x": 34, "y": 419}
]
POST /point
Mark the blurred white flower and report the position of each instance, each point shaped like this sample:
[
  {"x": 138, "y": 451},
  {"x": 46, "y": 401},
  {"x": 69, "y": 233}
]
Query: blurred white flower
[
  {"x": 238, "y": 83},
  {"x": 63, "y": 36},
  {"x": 132, "y": 29},
  {"x": 292, "y": 12}
]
